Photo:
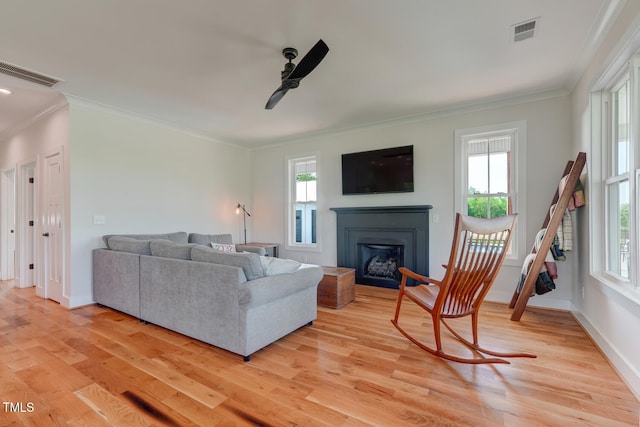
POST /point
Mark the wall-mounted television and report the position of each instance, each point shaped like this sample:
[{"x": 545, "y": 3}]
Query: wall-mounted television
[{"x": 389, "y": 170}]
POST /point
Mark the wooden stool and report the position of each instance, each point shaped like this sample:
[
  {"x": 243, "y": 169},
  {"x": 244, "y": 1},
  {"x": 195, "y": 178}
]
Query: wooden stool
[{"x": 337, "y": 287}]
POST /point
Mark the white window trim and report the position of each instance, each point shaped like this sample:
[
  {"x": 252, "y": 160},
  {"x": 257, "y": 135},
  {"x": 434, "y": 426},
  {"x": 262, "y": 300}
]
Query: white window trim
[
  {"x": 290, "y": 241},
  {"x": 601, "y": 175},
  {"x": 518, "y": 176}
]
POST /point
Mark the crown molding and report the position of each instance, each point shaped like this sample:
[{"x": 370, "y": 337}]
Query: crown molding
[
  {"x": 105, "y": 108},
  {"x": 480, "y": 105},
  {"x": 16, "y": 128}
]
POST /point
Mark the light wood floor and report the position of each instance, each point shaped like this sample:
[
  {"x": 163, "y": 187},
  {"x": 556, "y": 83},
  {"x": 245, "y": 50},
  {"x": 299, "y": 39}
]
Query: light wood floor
[{"x": 94, "y": 366}]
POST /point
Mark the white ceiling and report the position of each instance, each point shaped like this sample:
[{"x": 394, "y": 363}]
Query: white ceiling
[{"x": 209, "y": 66}]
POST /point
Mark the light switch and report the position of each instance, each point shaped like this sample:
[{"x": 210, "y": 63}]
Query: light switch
[
  {"x": 99, "y": 220},
  {"x": 436, "y": 218}
]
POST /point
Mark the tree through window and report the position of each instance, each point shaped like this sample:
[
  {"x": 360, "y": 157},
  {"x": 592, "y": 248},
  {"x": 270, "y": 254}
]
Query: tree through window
[
  {"x": 488, "y": 176},
  {"x": 490, "y": 167}
]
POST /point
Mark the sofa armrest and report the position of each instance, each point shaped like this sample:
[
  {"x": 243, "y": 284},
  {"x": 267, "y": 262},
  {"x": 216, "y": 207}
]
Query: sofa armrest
[
  {"x": 253, "y": 249},
  {"x": 266, "y": 289}
]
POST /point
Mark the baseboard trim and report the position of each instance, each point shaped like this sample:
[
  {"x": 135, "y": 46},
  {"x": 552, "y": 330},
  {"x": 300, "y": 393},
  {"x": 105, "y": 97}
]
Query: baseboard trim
[{"x": 625, "y": 370}]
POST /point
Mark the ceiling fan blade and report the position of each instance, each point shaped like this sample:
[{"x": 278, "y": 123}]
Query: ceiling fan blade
[
  {"x": 310, "y": 61},
  {"x": 276, "y": 97}
]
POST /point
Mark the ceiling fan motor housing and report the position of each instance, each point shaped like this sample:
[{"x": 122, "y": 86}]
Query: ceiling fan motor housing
[
  {"x": 288, "y": 68},
  {"x": 290, "y": 53}
]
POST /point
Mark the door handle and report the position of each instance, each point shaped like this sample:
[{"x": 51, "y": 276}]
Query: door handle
[{"x": 45, "y": 234}]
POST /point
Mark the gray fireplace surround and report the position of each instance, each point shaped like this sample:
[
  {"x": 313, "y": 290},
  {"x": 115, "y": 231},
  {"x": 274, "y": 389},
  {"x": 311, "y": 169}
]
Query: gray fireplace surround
[{"x": 380, "y": 226}]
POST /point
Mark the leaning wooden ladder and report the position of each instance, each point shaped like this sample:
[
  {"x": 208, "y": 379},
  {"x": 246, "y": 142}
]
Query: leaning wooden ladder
[{"x": 551, "y": 223}]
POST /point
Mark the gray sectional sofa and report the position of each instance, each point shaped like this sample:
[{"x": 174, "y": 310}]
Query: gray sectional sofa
[{"x": 240, "y": 302}]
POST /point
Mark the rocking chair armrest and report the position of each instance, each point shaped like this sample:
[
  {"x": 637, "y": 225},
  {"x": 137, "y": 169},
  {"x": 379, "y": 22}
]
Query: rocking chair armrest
[{"x": 420, "y": 278}]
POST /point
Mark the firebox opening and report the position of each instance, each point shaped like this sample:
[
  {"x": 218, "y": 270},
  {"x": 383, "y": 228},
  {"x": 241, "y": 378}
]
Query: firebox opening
[{"x": 378, "y": 264}]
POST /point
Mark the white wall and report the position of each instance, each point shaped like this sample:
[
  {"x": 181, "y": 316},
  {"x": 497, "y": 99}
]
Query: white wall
[
  {"x": 611, "y": 318},
  {"x": 146, "y": 178},
  {"x": 548, "y": 150}
]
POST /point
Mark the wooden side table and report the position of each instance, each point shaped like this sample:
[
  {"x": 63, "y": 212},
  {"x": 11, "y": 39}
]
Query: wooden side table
[
  {"x": 337, "y": 287},
  {"x": 273, "y": 249}
]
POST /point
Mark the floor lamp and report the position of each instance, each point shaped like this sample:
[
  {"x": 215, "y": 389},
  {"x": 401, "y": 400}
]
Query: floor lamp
[{"x": 244, "y": 219}]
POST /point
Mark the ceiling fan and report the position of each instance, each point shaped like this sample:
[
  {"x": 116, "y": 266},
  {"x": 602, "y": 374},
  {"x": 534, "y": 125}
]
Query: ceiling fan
[{"x": 292, "y": 74}]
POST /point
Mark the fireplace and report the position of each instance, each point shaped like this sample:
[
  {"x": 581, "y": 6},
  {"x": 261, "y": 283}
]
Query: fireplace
[
  {"x": 376, "y": 241},
  {"x": 379, "y": 263}
]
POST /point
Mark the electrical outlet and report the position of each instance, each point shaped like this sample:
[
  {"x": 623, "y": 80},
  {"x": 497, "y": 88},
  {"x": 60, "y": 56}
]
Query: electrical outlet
[{"x": 99, "y": 220}]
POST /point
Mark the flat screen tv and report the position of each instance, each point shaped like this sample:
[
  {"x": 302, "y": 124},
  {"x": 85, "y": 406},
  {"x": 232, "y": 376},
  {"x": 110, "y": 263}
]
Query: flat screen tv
[{"x": 389, "y": 170}]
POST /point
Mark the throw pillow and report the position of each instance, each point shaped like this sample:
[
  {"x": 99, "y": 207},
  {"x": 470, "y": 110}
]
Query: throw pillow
[
  {"x": 274, "y": 266},
  {"x": 249, "y": 263},
  {"x": 178, "y": 237},
  {"x": 129, "y": 244},
  {"x": 169, "y": 249},
  {"x": 222, "y": 247}
]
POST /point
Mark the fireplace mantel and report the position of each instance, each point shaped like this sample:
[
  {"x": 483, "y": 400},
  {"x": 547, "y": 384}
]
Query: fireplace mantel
[
  {"x": 424, "y": 209},
  {"x": 408, "y": 225}
]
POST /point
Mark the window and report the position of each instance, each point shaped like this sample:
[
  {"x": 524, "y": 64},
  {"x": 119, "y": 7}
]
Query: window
[
  {"x": 617, "y": 183},
  {"x": 302, "y": 213},
  {"x": 615, "y": 198},
  {"x": 488, "y": 173},
  {"x": 488, "y": 183}
]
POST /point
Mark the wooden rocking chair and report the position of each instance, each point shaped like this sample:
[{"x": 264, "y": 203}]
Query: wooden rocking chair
[{"x": 478, "y": 250}]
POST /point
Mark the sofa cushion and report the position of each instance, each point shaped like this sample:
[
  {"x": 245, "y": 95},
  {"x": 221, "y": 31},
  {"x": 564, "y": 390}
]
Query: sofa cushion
[
  {"x": 178, "y": 237},
  {"x": 273, "y": 266},
  {"x": 222, "y": 247},
  {"x": 249, "y": 263},
  {"x": 253, "y": 249},
  {"x": 129, "y": 244},
  {"x": 207, "y": 239},
  {"x": 169, "y": 249}
]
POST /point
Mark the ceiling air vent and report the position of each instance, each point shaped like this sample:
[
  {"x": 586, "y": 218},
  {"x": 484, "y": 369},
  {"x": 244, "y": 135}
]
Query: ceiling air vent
[
  {"x": 524, "y": 30},
  {"x": 24, "y": 74}
]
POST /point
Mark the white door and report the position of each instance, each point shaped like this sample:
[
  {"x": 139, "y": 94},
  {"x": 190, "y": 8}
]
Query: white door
[
  {"x": 52, "y": 231},
  {"x": 8, "y": 221}
]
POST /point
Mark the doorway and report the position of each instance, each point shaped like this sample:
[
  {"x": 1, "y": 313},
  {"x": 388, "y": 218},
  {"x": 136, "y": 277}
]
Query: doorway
[{"x": 52, "y": 226}]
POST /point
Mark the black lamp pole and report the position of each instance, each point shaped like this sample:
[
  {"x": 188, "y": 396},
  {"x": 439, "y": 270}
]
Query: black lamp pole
[{"x": 244, "y": 219}]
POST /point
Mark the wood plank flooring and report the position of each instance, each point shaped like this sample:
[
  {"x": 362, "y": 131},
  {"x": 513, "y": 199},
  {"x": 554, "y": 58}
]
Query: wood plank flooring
[{"x": 97, "y": 367}]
